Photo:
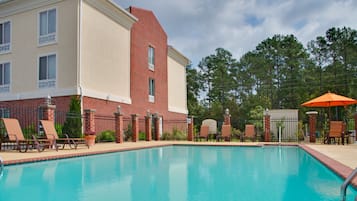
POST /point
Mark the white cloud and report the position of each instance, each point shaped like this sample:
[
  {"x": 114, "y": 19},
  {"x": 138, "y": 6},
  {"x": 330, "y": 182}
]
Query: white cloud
[{"x": 198, "y": 27}]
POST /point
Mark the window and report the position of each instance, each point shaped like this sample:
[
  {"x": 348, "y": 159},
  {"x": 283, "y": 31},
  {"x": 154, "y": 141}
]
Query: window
[
  {"x": 4, "y": 37},
  {"x": 151, "y": 58},
  {"x": 47, "y": 27},
  {"x": 4, "y": 77},
  {"x": 151, "y": 90},
  {"x": 47, "y": 71}
]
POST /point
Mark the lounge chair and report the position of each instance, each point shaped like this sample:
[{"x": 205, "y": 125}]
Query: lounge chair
[
  {"x": 336, "y": 132},
  {"x": 51, "y": 134},
  {"x": 249, "y": 133},
  {"x": 203, "y": 133},
  {"x": 16, "y": 138},
  {"x": 225, "y": 133}
]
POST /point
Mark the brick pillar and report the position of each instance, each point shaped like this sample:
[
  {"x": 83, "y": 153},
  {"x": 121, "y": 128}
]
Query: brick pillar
[
  {"x": 119, "y": 131},
  {"x": 312, "y": 125},
  {"x": 148, "y": 122},
  {"x": 267, "y": 127},
  {"x": 190, "y": 126},
  {"x": 135, "y": 124},
  {"x": 157, "y": 125},
  {"x": 48, "y": 112},
  {"x": 89, "y": 122},
  {"x": 227, "y": 117}
]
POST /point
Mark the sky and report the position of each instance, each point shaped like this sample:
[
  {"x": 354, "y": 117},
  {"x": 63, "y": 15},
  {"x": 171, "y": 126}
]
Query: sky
[{"x": 197, "y": 27}]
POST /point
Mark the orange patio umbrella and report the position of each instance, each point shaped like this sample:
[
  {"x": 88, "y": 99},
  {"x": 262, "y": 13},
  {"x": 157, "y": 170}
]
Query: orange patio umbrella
[{"x": 329, "y": 100}]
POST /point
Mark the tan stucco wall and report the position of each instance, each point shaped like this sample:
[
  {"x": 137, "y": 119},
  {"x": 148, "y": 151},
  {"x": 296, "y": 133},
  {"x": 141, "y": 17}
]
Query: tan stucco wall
[
  {"x": 177, "y": 98},
  {"x": 105, "y": 57},
  {"x": 25, "y": 51}
]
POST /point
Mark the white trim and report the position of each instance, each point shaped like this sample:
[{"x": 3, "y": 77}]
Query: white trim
[
  {"x": 16, "y": 7},
  {"x": 105, "y": 96},
  {"x": 10, "y": 84},
  {"x": 38, "y": 70},
  {"x": 114, "y": 11},
  {"x": 38, "y": 94},
  {"x": 55, "y": 41},
  {"x": 177, "y": 110},
  {"x": 10, "y": 44}
]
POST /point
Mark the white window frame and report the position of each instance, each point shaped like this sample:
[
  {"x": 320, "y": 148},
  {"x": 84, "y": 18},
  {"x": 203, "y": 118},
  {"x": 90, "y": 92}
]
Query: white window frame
[
  {"x": 47, "y": 83},
  {"x": 151, "y": 90},
  {"x": 4, "y": 88},
  {"x": 5, "y": 47},
  {"x": 48, "y": 38},
  {"x": 151, "y": 57}
]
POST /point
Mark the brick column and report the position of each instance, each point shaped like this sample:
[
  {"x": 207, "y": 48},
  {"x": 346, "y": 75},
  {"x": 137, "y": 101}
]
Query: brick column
[
  {"x": 148, "y": 122},
  {"x": 190, "y": 126},
  {"x": 119, "y": 131},
  {"x": 312, "y": 125},
  {"x": 227, "y": 117},
  {"x": 89, "y": 122},
  {"x": 135, "y": 124},
  {"x": 267, "y": 127},
  {"x": 157, "y": 125},
  {"x": 48, "y": 112}
]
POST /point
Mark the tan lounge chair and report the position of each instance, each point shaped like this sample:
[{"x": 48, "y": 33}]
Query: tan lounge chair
[
  {"x": 336, "y": 132},
  {"x": 249, "y": 133},
  {"x": 203, "y": 133},
  {"x": 225, "y": 133},
  {"x": 17, "y": 139},
  {"x": 51, "y": 134}
]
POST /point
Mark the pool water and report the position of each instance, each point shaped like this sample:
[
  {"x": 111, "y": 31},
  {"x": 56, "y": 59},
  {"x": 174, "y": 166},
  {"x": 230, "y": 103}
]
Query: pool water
[{"x": 177, "y": 173}]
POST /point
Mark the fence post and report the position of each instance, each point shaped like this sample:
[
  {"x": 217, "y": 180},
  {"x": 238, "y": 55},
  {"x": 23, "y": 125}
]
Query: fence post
[
  {"x": 89, "y": 121},
  {"x": 148, "y": 122},
  {"x": 135, "y": 123},
  {"x": 190, "y": 129},
  {"x": 266, "y": 126},
  {"x": 312, "y": 125},
  {"x": 119, "y": 131}
]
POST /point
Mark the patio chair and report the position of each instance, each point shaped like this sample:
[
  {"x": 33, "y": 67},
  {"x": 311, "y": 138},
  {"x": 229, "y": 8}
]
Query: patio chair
[
  {"x": 336, "y": 132},
  {"x": 51, "y": 134},
  {"x": 225, "y": 133},
  {"x": 16, "y": 138},
  {"x": 249, "y": 133},
  {"x": 203, "y": 133}
]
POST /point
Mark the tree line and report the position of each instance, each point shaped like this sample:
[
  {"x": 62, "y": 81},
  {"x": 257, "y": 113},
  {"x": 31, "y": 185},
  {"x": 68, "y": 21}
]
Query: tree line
[{"x": 280, "y": 73}]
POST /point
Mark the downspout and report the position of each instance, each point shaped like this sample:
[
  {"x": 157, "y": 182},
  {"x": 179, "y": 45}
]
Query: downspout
[{"x": 79, "y": 57}]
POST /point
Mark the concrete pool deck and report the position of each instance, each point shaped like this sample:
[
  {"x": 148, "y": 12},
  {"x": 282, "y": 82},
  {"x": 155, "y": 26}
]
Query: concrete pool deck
[{"x": 342, "y": 159}]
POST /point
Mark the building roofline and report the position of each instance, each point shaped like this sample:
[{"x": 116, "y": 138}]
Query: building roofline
[{"x": 178, "y": 56}]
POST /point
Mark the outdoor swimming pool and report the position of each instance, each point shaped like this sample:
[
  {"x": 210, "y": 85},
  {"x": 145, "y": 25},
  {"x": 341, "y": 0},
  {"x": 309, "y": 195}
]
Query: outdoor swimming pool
[{"x": 177, "y": 173}]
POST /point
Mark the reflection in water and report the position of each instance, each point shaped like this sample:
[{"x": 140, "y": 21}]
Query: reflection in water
[{"x": 175, "y": 174}]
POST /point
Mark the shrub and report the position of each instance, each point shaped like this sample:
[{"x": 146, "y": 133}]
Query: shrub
[
  {"x": 106, "y": 136},
  {"x": 73, "y": 124},
  {"x": 175, "y": 135},
  {"x": 142, "y": 135},
  {"x": 128, "y": 133}
]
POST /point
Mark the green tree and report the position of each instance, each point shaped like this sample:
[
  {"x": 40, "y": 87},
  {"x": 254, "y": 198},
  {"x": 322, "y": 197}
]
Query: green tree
[{"x": 73, "y": 124}]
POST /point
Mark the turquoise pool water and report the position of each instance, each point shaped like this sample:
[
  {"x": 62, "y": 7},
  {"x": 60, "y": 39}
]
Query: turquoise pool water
[{"x": 177, "y": 173}]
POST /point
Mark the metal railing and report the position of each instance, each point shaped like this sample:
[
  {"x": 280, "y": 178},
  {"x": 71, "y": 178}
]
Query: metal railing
[{"x": 346, "y": 183}]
